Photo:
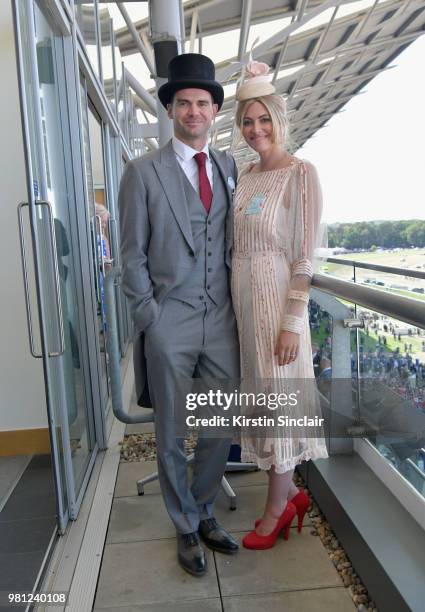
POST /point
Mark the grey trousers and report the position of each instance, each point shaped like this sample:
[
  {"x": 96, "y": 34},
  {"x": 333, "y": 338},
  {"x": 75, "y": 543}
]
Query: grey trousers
[{"x": 184, "y": 342}]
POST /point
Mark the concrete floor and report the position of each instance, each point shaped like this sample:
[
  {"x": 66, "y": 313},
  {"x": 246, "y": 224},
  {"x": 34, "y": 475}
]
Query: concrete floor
[{"x": 140, "y": 571}]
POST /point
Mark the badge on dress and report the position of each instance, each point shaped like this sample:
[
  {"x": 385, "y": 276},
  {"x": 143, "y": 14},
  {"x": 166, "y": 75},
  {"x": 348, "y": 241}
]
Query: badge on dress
[{"x": 255, "y": 205}]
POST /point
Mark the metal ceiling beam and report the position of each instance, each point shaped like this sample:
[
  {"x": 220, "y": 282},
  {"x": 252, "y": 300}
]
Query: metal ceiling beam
[
  {"x": 277, "y": 38},
  {"x": 282, "y": 54},
  {"x": 243, "y": 39},
  {"x": 218, "y": 26},
  {"x": 193, "y": 28},
  {"x": 376, "y": 25},
  {"x": 400, "y": 11},
  {"x": 200, "y": 34},
  {"x": 148, "y": 100},
  {"x": 226, "y": 119},
  {"x": 362, "y": 50},
  {"x": 150, "y": 130},
  {"x": 319, "y": 44},
  {"x": 344, "y": 55},
  {"x": 350, "y": 36},
  {"x": 326, "y": 101},
  {"x": 300, "y": 8},
  {"x": 353, "y": 35},
  {"x": 245, "y": 24},
  {"x": 137, "y": 40}
]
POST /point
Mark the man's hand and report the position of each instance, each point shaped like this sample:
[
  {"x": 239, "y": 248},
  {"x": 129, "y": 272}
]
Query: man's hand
[{"x": 287, "y": 347}]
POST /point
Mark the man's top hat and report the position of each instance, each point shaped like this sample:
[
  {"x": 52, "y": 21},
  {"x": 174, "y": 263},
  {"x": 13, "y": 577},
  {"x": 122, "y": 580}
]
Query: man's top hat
[{"x": 191, "y": 70}]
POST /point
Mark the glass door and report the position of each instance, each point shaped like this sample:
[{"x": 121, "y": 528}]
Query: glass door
[
  {"x": 99, "y": 221},
  {"x": 57, "y": 250},
  {"x": 115, "y": 172}
]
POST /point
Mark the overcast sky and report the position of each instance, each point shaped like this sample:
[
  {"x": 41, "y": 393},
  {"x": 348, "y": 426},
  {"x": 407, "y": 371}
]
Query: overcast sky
[{"x": 370, "y": 156}]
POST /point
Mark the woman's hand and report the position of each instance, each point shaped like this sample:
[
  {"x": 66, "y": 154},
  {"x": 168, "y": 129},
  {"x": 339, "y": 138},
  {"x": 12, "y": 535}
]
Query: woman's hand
[{"x": 287, "y": 347}]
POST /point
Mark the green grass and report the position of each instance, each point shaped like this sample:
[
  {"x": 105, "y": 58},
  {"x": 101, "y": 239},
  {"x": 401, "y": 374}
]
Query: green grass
[
  {"x": 370, "y": 342},
  {"x": 392, "y": 344},
  {"x": 412, "y": 258}
]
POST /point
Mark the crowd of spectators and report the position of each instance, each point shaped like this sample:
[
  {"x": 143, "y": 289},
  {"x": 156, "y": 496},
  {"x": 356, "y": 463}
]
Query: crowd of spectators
[{"x": 401, "y": 370}]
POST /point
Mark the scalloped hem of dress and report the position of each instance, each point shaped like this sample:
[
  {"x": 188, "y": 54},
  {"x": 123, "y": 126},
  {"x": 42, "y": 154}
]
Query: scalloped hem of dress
[{"x": 289, "y": 464}]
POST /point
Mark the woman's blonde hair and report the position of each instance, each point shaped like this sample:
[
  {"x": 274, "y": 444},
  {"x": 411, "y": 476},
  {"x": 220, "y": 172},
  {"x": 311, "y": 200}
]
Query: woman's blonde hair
[{"x": 276, "y": 107}]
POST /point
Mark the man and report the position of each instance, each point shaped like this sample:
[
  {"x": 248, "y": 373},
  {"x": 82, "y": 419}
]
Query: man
[
  {"x": 176, "y": 235},
  {"x": 325, "y": 368}
]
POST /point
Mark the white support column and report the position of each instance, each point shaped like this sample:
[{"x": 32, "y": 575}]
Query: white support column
[{"x": 165, "y": 18}]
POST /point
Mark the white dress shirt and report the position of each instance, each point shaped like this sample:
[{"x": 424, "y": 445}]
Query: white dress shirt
[{"x": 184, "y": 155}]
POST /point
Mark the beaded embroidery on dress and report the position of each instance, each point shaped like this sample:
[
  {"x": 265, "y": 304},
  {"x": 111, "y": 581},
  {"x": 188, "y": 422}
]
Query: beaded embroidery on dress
[{"x": 276, "y": 226}]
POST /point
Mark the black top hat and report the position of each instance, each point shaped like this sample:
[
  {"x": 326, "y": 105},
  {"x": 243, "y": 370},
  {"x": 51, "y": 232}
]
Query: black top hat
[{"x": 191, "y": 70}]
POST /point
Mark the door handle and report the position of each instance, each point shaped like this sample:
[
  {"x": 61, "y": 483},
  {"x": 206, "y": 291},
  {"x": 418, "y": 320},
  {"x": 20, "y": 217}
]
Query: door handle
[
  {"x": 93, "y": 230},
  {"x": 114, "y": 245},
  {"x": 25, "y": 275},
  {"x": 102, "y": 257},
  {"x": 58, "y": 300}
]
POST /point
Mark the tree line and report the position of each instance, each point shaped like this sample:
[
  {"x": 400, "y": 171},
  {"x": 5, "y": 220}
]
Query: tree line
[{"x": 372, "y": 234}]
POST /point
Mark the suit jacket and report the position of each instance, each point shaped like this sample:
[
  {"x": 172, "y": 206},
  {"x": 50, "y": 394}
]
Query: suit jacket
[{"x": 157, "y": 248}]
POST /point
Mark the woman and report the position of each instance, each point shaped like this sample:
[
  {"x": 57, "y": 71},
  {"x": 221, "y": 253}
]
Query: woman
[{"x": 276, "y": 224}]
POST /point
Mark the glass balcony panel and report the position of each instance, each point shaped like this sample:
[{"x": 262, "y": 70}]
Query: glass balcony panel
[
  {"x": 389, "y": 376},
  {"x": 334, "y": 348},
  {"x": 387, "y": 359},
  {"x": 392, "y": 392}
]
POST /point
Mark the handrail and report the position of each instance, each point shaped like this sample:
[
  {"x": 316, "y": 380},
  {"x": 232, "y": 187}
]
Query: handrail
[
  {"x": 418, "y": 470},
  {"x": 377, "y": 267},
  {"x": 398, "y": 307},
  {"x": 402, "y": 308}
]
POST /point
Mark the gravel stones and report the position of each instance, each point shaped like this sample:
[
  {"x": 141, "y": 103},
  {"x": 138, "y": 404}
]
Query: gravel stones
[
  {"x": 337, "y": 555},
  {"x": 142, "y": 447}
]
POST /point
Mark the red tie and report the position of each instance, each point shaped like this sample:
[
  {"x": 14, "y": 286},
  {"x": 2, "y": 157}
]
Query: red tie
[{"x": 205, "y": 191}]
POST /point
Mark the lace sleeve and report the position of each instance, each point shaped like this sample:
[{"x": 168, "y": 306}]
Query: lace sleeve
[{"x": 306, "y": 239}]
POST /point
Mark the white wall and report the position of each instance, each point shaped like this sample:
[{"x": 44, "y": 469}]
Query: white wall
[{"x": 22, "y": 398}]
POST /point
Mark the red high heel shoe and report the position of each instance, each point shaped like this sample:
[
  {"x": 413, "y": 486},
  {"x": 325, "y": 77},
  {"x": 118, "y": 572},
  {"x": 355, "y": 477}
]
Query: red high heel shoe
[
  {"x": 257, "y": 542},
  {"x": 301, "y": 502}
]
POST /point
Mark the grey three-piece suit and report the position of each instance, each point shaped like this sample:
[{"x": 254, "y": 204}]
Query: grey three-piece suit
[{"x": 176, "y": 266}]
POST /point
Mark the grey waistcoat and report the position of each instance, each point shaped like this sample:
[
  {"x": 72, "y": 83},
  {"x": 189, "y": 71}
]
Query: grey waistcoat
[{"x": 208, "y": 280}]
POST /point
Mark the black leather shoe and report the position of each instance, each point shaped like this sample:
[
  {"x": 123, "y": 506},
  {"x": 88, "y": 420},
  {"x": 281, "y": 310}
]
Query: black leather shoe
[
  {"x": 191, "y": 554},
  {"x": 216, "y": 538}
]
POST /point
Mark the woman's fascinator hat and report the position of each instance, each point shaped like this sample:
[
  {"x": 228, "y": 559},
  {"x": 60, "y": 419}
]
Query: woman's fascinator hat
[{"x": 257, "y": 83}]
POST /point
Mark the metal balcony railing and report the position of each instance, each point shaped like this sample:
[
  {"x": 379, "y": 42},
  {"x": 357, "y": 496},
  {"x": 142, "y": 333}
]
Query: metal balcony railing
[{"x": 382, "y": 354}]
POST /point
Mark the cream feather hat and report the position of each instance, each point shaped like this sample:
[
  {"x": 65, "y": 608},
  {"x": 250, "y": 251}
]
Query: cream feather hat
[{"x": 257, "y": 82}]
